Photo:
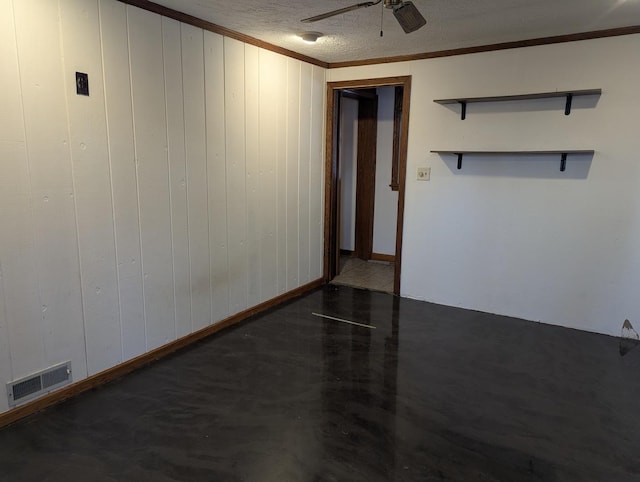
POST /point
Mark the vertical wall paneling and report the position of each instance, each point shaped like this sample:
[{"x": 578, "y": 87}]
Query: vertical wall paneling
[
  {"x": 117, "y": 85},
  {"x": 292, "y": 160},
  {"x": 252, "y": 153},
  {"x": 14, "y": 201},
  {"x": 316, "y": 176},
  {"x": 11, "y": 118},
  {"x": 197, "y": 194},
  {"x": 304, "y": 156},
  {"x": 80, "y": 29},
  {"x": 268, "y": 179},
  {"x": 216, "y": 173},
  {"x": 184, "y": 188},
  {"x": 236, "y": 172},
  {"x": 280, "y": 94},
  {"x": 147, "y": 79},
  {"x": 173, "y": 86},
  {"x": 21, "y": 318},
  {"x": 43, "y": 90},
  {"x": 5, "y": 356}
]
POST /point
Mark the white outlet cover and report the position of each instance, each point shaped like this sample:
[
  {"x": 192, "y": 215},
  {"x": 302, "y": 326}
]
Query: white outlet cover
[{"x": 423, "y": 174}]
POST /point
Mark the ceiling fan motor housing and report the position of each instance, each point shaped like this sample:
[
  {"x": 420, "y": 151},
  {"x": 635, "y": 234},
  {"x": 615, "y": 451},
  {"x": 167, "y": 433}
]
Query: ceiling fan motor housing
[{"x": 409, "y": 18}]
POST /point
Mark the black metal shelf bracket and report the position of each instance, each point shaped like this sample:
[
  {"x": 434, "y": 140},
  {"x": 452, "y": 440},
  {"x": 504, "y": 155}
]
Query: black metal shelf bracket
[
  {"x": 563, "y": 162},
  {"x": 567, "y": 107},
  {"x": 463, "y": 110},
  {"x": 459, "y": 160}
]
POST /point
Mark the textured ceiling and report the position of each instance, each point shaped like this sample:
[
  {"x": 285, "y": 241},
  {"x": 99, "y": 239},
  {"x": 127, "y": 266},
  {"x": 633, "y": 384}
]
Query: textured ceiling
[{"x": 451, "y": 24}]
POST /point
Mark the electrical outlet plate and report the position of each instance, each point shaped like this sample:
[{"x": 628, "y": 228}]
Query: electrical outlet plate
[{"x": 423, "y": 174}]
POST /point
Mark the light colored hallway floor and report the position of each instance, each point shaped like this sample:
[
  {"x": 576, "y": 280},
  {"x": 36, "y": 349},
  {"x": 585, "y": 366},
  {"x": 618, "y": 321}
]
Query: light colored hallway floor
[{"x": 371, "y": 275}]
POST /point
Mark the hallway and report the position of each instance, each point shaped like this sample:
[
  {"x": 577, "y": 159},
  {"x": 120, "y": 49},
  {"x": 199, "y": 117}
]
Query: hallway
[{"x": 371, "y": 275}]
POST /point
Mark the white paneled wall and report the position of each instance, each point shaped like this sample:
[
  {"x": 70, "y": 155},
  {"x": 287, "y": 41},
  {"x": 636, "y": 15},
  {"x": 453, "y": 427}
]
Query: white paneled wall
[
  {"x": 19, "y": 291},
  {"x": 252, "y": 164},
  {"x": 177, "y": 152},
  {"x": 216, "y": 174},
  {"x": 195, "y": 133},
  {"x": 316, "y": 174},
  {"x": 293, "y": 149},
  {"x": 185, "y": 188},
  {"x": 268, "y": 167},
  {"x": 304, "y": 211},
  {"x": 90, "y": 165},
  {"x": 124, "y": 178},
  {"x": 234, "y": 109},
  {"x": 59, "y": 331}
]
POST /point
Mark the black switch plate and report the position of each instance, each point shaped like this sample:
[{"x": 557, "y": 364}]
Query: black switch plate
[{"x": 82, "y": 83}]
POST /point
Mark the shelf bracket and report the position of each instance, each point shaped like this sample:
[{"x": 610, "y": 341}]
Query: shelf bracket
[
  {"x": 567, "y": 107},
  {"x": 563, "y": 162},
  {"x": 463, "y": 110},
  {"x": 459, "y": 160}
]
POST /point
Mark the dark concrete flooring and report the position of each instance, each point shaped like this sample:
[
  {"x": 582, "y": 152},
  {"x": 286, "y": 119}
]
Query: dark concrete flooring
[{"x": 432, "y": 393}]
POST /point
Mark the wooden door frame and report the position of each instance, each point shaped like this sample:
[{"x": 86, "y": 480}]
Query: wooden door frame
[{"x": 331, "y": 246}]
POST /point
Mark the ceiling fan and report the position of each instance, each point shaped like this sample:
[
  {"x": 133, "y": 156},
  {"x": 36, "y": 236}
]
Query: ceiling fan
[{"x": 406, "y": 13}]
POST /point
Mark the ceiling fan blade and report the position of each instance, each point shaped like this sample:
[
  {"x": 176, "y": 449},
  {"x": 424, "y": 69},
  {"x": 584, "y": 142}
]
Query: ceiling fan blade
[
  {"x": 339, "y": 11},
  {"x": 408, "y": 16}
]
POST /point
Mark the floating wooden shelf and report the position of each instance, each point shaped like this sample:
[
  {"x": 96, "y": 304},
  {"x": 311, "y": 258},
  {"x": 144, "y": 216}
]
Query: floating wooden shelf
[
  {"x": 569, "y": 95},
  {"x": 562, "y": 153}
]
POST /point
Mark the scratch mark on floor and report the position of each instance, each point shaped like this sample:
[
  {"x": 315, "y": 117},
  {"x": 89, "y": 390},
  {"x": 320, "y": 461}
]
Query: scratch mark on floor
[{"x": 343, "y": 320}]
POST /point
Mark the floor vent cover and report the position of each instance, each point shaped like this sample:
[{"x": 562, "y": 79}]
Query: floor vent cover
[{"x": 42, "y": 382}]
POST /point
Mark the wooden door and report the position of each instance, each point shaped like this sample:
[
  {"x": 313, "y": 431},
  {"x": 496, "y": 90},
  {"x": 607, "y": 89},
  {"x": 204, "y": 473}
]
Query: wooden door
[{"x": 366, "y": 172}]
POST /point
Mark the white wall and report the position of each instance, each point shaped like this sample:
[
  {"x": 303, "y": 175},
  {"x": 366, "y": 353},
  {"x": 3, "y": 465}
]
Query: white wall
[
  {"x": 386, "y": 201},
  {"x": 516, "y": 236},
  {"x": 185, "y": 188},
  {"x": 348, "y": 175}
]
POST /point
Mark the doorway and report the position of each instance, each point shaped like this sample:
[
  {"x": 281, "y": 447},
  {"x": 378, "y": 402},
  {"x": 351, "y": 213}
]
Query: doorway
[{"x": 364, "y": 91}]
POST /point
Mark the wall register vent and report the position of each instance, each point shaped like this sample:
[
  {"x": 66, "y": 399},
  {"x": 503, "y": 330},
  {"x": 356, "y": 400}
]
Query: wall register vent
[{"x": 39, "y": 383}]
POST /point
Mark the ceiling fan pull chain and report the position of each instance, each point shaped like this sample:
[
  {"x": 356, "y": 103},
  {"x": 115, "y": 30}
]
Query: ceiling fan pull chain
[{"x": 381, "y": 20}]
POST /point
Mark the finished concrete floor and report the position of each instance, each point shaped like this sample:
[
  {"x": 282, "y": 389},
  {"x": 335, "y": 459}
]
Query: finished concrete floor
[{"x": 430, "y": 393}]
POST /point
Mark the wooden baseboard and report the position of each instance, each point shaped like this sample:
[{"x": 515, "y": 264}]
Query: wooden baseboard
[
  {"x": 383, "y": 257},
  {"x": 117, "y": 371}
]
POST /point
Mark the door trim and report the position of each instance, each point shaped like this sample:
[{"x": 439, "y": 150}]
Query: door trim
[{"x": 331, "y": 250}]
